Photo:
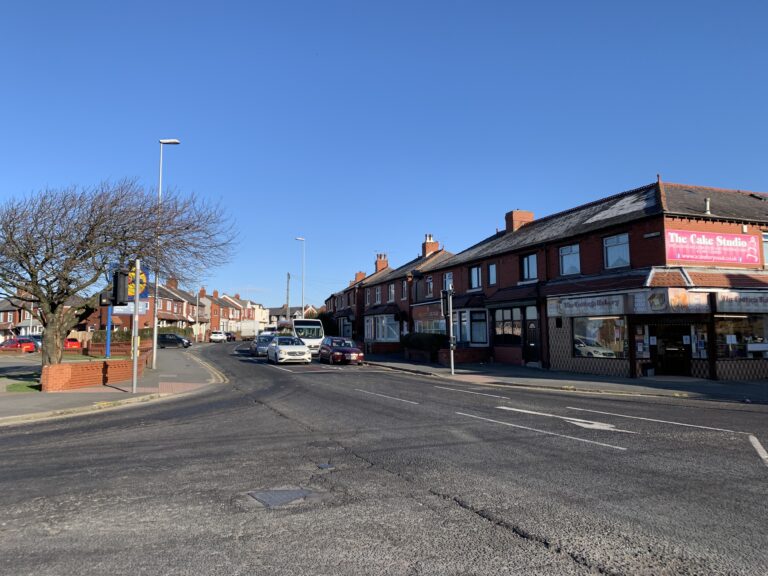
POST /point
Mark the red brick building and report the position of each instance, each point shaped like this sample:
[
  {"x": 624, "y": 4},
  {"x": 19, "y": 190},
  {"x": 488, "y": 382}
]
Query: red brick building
[{"x": 664, "y": 279}]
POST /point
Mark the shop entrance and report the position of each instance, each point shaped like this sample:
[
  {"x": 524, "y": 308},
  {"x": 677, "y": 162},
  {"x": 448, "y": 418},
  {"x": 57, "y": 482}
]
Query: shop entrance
[
  {"x": 672, "y": 353},
  {"x": 531, "y": 346}
]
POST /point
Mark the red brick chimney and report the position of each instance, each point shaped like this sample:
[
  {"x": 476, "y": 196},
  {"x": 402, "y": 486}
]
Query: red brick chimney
[
  {"x": 237, "y": 296},
  {"x": 359, "y": 276},
  {"x": 215, "y": 293},
  {"x": 172, "y": 283},
  {"x": 381, "y": 262},
  {"x": 518, "y": 218},
  {"x": 429, "y": 246},
  {"x": 202, "y": 292}
]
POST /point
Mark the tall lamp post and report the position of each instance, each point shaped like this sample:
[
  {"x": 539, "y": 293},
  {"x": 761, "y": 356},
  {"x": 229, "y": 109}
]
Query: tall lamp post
[
  {"x": 303, "y": 268},
  {"x": 169, "y": 141}
]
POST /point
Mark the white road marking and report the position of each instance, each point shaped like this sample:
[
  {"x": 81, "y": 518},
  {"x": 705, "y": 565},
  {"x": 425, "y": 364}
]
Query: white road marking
[
  {"x": 279, "y": 368},
  {"x": 470, "y": 392},
  {"x": 576, "y": 421},
  {"x": 385, "y": 396},
  {"x": 654, "y": 420},
  {"x": 759, "y": 448},
  {"x": 541, "y": 431}
]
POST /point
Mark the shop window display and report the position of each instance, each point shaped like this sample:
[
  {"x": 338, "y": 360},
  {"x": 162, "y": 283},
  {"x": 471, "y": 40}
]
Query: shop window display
[{"x": 600, "y": 337}]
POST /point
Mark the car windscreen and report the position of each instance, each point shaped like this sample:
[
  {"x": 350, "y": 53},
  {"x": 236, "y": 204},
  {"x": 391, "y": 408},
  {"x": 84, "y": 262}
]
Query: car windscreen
[
  {"x": 309, "y": 331},
  {"x": 265, "y": 339},
  {"x": 288, "y": 341}
]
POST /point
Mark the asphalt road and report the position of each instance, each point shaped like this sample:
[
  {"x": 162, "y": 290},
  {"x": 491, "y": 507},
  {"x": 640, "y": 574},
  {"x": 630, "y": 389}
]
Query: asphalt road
[{"x": 403, "y": 475}]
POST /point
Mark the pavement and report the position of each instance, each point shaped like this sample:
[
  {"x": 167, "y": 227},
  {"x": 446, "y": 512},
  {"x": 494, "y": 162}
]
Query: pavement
[
  {"x": 183, "y": 371},
  {"x": 529, "y": 377},
  {"x": 178, "y": 372}
]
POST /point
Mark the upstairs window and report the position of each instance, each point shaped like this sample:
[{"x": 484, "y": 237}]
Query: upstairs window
[
  {"x": 528, "y": 267},
  {"x": 765, "y": 249},
  {"x": 404, "y": 290},
  {"x": 367, "y": 296},
  {"x": 378, "y": 295},
  {"x": 616, "y": 251},
  {"x": 391, "y": 292},
  {"x": 475, "y": 278},
  {"x": 448, "y": 281},
  {"x": 491, "y": 274},
  {"x": 429, "y": 285},
  {"x": 570, "y": 262}
]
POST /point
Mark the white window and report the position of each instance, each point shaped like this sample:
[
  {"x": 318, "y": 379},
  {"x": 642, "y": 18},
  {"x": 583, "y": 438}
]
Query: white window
[
  {"x": 391, "y": 292},
  {"x": 471, "y": 326},
  {"x": 168, "y": 305},
  {"x": 367, "y": 296},
  {"x": 447, "y": 280},
  {"x": 377, "y": 300},
  {"x": 528, "y": 267},
  {"x": 387, "y": 329},
  {"x": 616, "y": 251},
  {"x": 570, "y": 263},
  {"x": 404, "y": 290},
  {"x": 429, "y": 286},
  {"x": 491, "y": 274},
  {"x": 765, "y": 249},
  {"x": 475, "y": 278}
]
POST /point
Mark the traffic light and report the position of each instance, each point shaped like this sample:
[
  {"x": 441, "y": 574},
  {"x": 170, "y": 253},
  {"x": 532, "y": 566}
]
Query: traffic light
[{"x": 120, "y": 288}]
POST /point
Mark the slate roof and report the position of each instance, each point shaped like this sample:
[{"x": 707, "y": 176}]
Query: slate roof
[
  {"x": 688, "y": 200},
  {"x": 418, "y": 264},
  {"x": 7, "y": 306},
  {"x": 649, "y": 200}
]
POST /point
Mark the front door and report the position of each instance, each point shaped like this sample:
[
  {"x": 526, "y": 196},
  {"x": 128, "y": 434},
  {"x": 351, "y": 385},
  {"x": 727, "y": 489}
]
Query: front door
[
  {"x": 531, "y": 345},
  {"x": 672, "y": 352}
]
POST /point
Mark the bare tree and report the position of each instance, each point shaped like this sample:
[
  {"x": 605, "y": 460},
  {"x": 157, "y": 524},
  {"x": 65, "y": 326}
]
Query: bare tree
[{"x": 57, "y": 244}]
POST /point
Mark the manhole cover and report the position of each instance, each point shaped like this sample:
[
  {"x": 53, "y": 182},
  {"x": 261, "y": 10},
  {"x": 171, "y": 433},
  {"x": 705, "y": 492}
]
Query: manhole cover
[{"x": 274, "y": 498}]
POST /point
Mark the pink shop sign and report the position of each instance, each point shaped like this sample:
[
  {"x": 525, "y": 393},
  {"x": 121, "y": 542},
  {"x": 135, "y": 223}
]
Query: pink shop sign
[{"x": 691, "y": 246}]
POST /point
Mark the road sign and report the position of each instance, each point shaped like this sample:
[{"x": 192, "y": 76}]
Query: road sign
[
  {"x": 127, "y": 310},
  {"x": 143, "y": 291}
]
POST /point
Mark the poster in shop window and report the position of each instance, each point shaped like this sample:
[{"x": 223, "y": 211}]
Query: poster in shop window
[{"x": 694, "y": 246}]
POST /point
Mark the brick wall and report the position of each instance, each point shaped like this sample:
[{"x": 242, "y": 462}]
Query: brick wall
[{"x": 73, "y": 375}]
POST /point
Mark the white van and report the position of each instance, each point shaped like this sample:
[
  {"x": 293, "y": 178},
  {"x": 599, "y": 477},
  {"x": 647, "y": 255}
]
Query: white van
[{"x": 311, "y": 332}]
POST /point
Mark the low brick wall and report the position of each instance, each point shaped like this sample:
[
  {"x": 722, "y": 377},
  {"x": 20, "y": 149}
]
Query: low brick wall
[
  {"x": 72, "y": 375},
  {"x": 463, "y": 356}
]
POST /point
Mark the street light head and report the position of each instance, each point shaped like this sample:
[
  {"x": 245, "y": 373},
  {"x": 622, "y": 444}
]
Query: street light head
[
  {"x": 170, "y": 141},
  {"x": 300, "y": 239}
]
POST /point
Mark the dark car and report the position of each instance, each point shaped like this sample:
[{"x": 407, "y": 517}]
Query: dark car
[
  {"x": 230, "y": 336},
  {"x": 172, "y": 341},
  {"x": 260, "y": 344},
  {"x": 336, "y": 350}
]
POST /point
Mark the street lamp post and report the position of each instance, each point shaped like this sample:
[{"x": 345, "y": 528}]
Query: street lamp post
[
  {"x": 303, "y": 269},
  {"x": 169, "y": 141}
]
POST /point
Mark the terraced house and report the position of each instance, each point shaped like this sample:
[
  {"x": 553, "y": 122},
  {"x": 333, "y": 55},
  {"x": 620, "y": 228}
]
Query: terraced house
[{"x": 662, "y": 279}]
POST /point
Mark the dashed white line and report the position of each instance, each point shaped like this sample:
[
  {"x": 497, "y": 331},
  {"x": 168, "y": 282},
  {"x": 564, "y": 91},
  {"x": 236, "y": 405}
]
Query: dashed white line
[
  {"x": 654, "y": 420},
  {"x": 385, "y": 396},
  {"x": 279, "y": 368},
  {"x": 470, "y": 392},
  {"x": 541, "y": 431},
  {"x": 759, "y": 448}
]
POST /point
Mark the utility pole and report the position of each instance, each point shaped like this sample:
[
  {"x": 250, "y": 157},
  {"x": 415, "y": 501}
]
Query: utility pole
[
  {"x": 447, "y": 309},
  {"x": 288, "y": 299},
  {"x": 135, "y": 325}
]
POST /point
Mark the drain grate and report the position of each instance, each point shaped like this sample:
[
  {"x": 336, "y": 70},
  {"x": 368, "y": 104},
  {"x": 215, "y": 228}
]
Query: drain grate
[{"x": 274, "y": 498}]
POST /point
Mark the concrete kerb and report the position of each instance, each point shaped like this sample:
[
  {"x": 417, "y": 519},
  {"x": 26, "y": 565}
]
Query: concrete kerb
[
  {"x": 596, "y": 390},
  {"x": 216, "y": 377}
]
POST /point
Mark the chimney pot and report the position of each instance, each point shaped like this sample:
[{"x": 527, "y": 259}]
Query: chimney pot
[{"x": 429, "y": 245}]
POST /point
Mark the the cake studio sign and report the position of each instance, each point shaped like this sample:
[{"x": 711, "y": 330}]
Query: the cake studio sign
[{"x": 692, "y": 246}]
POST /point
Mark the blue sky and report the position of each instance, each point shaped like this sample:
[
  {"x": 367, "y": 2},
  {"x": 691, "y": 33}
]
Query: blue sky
[{"x": 363, "y": 125}]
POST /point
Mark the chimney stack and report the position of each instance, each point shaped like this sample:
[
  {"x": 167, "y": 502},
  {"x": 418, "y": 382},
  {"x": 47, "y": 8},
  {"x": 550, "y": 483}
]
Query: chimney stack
[
  {"x": 517, "y": 219},
  {"x": 429, "y": 246},
  {"x": 381, "y": 262},
  {"x": 237, "y": 296},
  {"x": 202, "y": 292},
  {"x": 215, "y": 293},
  {"x": 172, "y": 283},
  {"x": 358, "y": 276}
]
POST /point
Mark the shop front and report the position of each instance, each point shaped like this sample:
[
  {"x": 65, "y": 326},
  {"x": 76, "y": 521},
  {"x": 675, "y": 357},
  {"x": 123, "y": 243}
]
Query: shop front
[{"x": 700, "y": 333}]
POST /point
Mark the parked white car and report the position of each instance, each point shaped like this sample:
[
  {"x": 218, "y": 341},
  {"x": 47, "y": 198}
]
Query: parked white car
[
  {"x": 288, "y": 349},
  {"x": 217, "y": 336}
]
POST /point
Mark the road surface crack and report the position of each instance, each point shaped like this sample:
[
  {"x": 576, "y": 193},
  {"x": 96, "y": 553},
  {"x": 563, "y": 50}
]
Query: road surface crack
[{"x": 525, "y": 534}]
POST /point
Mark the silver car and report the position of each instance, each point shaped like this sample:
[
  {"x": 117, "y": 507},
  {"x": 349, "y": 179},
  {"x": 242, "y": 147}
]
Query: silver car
[{"x": 259, "y": 344}]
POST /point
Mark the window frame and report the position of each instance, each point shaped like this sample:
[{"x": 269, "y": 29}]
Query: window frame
[
  {"x": 391, "y": 292},
  {"x": 429, "y": 286},
  {"x": 447, "y": 284},
  {"x": 404, "y": 290},
  {"x": 492, "y": 270},
  {"x": 607, "y": 247},
  {"x": 577, "y": 253},
  {"x": 525, "y": 267},
  {"x": 475, "y": 274}
]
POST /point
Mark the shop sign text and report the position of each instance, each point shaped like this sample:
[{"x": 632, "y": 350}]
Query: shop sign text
[
  {"x": 741, "y": 301},
  {"x": 692, "y": 246},
  {"x": 596, "y": 306},
  {"x": 670, "y": 300}
]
